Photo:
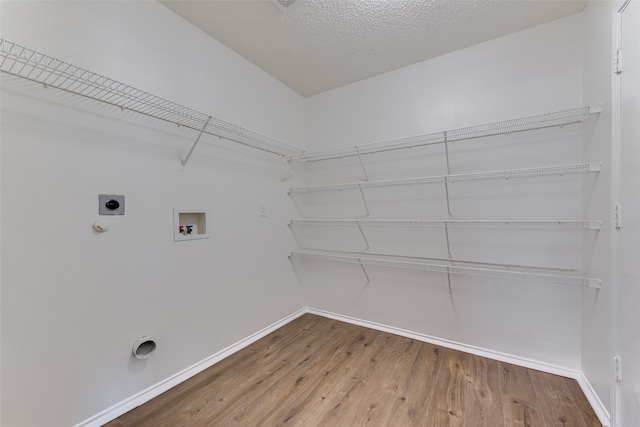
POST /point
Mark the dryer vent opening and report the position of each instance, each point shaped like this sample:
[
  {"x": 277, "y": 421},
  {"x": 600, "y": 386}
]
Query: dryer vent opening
[{"x": 144, "y": 347}]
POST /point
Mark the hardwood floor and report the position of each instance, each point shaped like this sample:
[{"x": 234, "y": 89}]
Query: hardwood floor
[{"x": 320, "y": 372}]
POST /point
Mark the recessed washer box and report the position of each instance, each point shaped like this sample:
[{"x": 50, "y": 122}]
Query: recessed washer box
[
  {"x": 190, "y": 224},
  {"x": 110, "y": 204}
]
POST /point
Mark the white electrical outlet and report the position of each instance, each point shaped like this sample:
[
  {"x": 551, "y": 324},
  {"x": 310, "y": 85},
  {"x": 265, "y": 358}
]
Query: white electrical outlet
[{"x": 263, "y": 209}]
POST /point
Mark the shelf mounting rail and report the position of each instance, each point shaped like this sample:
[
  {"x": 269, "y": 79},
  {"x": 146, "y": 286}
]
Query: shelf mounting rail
[
  {"x": 505, "y": 127},
  {"x": 20, "y": 61},
  {"x": 503, "y": 271}
]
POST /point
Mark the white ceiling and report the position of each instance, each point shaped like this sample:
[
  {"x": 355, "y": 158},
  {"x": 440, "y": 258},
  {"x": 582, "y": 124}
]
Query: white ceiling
[{"x": 318, "y": 45}]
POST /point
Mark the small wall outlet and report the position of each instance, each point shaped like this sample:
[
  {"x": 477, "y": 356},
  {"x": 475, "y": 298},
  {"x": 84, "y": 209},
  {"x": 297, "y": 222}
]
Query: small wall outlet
[
  {"x": 263, "y": 209},
  {"x": 110, "y": 204}
]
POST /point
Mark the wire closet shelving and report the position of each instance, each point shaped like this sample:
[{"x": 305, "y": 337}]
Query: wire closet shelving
[
  {"x": 452, "y": 266},
  {"x": 23, "y": 62},
  {"x": 20, "y": 61},
  {"x": 456, "y": 223},
  {"x": 444, "y": 179},
  {"x": 469, "y": 268},
  {"x": 505, "y": 127}
]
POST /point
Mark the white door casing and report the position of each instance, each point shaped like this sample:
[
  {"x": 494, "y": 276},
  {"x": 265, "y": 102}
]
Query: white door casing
[{"x": 626, "y": 195}]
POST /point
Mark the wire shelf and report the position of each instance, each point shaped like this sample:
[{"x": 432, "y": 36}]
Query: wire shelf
[
  {"x": 29, "y": 64},
  {"x": 469, "y": 268},
  {"x": 522, "y": 124},
  {"x": 439, "y": 223},
  {"x": 479, "y": 176}
]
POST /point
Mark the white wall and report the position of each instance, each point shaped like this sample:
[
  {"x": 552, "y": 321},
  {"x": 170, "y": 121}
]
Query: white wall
[
  {"x": 596, "y": 307},
  {"x": 74, "y": 301},
  {"x": 530, "y": 72}
]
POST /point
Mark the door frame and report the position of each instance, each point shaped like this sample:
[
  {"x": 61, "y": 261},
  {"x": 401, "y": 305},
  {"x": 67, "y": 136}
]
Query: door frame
[{"x": 615, "y": 200}]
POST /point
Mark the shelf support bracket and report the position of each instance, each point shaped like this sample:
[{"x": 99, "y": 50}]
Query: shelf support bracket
[
  {"x": 594, "y": 283},
  {"x": 446, "y": 184},
  {"x": 446, "y": 193},
  {"x": 193, "y": 147},
  {"x": 293, "y": 165},
  {"x": 449, "y": 282},
  {"x": 364, "y": 200},
  {"x": 366, "y": 175},
  {"x": 366, "y": 242},
  {"x": 595, "y": 109},
  {"x": 364, "y": 271},
  {"x": 446, "y": 224},
  {"x": 446, "y": 234}
]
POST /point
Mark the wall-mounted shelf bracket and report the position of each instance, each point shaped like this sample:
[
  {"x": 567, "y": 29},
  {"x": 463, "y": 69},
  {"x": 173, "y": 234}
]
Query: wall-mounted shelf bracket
[
  {"x": 594, "y": 224},
  {"x": 595, "y": 167},
  {"x": 366, "y": 242},
  {"x": 446, "y": 184},
  {"x": 446, "y": 194},
  {"x": 364, "y": 170},
  {"x": 195, "y": 143},
  {"x": 364, "y": 270},
  {"x": 594, "y": 283},
  {"x": 446, "y": 234},
  {"x": 364, "y": 200},
  {"x": 595, "y": 109},
  {"x": 293, "y": 165}
]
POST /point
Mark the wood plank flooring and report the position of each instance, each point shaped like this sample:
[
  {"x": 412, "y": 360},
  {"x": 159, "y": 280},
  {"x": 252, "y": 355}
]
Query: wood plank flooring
[{"x": 320, "y": 372}]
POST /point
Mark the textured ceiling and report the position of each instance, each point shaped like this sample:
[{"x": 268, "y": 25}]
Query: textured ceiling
[{"x": 319, "y": 45}]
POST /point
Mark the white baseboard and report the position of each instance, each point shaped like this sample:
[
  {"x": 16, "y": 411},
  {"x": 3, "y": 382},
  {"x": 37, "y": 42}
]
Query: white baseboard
[
  {"x": 136, "y": 400},
  {"x": 144, "y": 396},
  {"x": 594, "y": 400},
  {"x": 592, "y": 397}
]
